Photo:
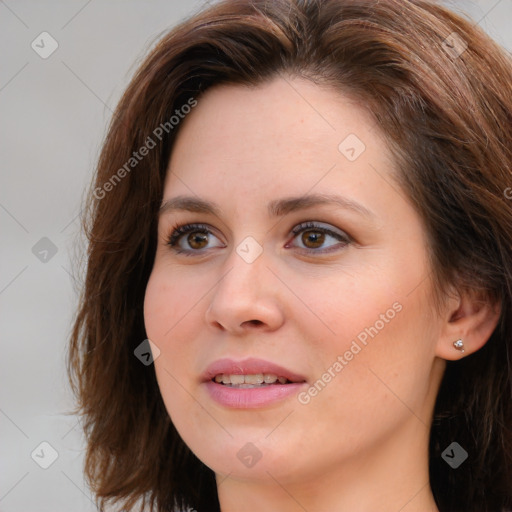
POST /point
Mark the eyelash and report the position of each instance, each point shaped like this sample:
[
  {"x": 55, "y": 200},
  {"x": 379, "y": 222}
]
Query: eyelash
[{"x": 179, "y": 230}]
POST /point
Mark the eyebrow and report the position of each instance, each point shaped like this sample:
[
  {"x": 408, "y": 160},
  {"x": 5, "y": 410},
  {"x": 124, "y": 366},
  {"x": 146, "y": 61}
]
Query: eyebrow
[{"x": 276, "y": 208}]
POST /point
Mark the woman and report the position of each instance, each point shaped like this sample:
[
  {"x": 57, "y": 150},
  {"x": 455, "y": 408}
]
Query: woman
[{"x": 303, "y": 205}]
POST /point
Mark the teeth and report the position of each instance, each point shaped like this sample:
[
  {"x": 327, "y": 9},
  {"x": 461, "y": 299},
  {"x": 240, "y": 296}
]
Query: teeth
[
  {"x": 236, "y": 379},
  {"x": 251, "y": 380}
]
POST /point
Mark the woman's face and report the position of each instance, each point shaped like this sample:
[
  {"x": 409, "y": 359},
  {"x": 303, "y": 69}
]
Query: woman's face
[{"x": 310, "y": 266}]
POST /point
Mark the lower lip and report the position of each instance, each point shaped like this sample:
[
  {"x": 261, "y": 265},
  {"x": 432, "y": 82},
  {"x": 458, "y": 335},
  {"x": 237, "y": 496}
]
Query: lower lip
[{"x": 251, "y": 398}]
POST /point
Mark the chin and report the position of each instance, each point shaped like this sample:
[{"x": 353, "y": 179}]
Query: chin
[{"x": 245, "y": 455}]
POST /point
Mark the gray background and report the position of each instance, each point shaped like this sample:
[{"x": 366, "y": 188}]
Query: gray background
[{"x": 54, "y": 114}]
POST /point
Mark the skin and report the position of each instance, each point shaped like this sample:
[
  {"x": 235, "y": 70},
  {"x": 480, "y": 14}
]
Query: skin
[{"x": 361, "y": 443}]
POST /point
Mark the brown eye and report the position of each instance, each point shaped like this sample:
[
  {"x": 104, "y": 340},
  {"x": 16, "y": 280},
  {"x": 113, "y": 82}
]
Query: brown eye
[
  {"x": 192, "y": 238},
  {"x": 313, "y": 239},
  {"x": 316, "y": 238},
  {"x": 197, "y": 240}
]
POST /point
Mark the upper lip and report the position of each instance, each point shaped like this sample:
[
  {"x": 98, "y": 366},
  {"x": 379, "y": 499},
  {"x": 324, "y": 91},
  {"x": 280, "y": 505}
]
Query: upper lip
[{"x": 250, "y": 366}]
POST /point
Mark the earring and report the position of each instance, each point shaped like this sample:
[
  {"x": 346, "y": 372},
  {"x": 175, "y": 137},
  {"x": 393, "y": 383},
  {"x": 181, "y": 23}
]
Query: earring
[{"x": 459, "y": 345}]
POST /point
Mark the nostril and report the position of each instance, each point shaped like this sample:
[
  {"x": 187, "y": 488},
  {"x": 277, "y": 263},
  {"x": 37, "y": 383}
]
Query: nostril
[{"x": 255, "y": 322}]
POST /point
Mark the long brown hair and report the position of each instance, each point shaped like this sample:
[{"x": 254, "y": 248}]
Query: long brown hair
[{"x": 447, "y": 113}]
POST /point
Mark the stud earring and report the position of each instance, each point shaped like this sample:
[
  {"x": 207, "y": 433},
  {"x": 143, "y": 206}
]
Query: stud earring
[{"x": 459, "y": 345}]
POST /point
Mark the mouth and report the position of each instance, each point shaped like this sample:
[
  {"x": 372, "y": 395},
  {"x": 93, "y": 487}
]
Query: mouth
[
  {"x": 251, "y": 383},
  {"x": 256, "y": 380},
  {"x": 250, "y": 372}
]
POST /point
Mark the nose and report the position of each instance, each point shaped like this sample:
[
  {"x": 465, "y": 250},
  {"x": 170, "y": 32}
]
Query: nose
[{"x": 247, "y": 297}]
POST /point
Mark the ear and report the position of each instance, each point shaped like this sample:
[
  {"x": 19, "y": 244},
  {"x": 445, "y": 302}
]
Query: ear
[{"x": 469, "y": 317}]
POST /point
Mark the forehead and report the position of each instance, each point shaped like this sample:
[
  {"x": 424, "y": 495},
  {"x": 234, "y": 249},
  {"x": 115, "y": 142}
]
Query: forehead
[
  {"x": 287, "y": 116},
  {"x": 286, "y": 134}
]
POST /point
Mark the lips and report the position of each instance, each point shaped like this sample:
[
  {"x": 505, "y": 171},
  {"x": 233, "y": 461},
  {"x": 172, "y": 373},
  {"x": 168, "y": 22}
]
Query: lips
[
  {"x": 258, "y": 371},
  {"x": 250, "y": 384}
]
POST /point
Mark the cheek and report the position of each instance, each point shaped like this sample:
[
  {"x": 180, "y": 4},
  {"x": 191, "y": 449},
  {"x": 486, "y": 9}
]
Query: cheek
[
  {"x": 168, "y": 302},
  {"x": 156, "y": 306},
  {"x": 372, "y": 339},
  {"x": 173, "y": 316},
  {"x": 343, "y": 306},
  {"x": 377, "y": 364},
  {"x": 162, "y": 309}
]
